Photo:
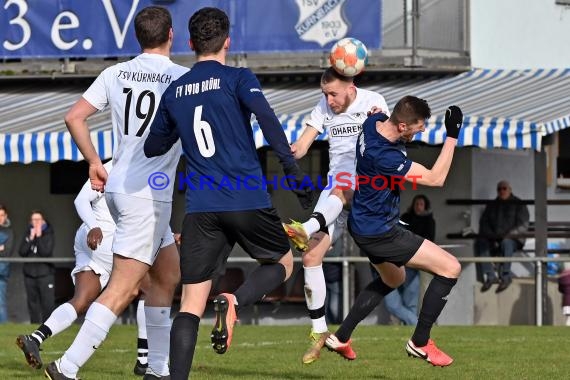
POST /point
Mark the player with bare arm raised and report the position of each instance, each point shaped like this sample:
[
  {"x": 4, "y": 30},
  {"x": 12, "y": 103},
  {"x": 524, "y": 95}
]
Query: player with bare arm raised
[{"x": 143, "y": 240}]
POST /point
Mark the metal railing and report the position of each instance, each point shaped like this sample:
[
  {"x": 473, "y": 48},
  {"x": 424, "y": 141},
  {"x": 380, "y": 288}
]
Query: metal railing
[{"x": 539, "y": 263}]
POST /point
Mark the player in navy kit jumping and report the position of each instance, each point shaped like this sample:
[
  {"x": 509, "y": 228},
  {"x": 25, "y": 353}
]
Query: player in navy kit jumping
[
  {"x": 209, "y": 109},
  {"x": 373, "y": 223}
]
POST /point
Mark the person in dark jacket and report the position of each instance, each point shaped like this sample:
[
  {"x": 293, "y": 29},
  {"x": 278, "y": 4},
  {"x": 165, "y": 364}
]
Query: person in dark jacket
[
  {"x": 6, "y": 245},
  {"x": 403, "y": 303},
  {"x": 501, "y": 222},
  {"x": 38, "y": 242}
]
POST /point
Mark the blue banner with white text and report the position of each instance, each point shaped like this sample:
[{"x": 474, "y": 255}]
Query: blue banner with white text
[{"x": 105, "y": 28}]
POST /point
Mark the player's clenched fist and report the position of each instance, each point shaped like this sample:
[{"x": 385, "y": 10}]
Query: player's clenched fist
[
  {"x": 98, "y": 177},
  {"x": 453, "y": 121},
  {"x": 94, "y": 238}
]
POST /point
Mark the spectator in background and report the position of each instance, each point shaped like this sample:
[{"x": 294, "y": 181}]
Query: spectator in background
[
  {"x": 93, "y": 266},
  {"x": 403, "y": 303},
  {"x": 38, "y": 242},
  {"x": 6, "y": 244},
  {"x": 502, "y": 220}
]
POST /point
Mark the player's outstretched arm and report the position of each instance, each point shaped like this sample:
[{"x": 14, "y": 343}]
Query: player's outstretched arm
[
  {"x": 300, "y": 147},
  {"x": 438, "y": 173},
  {"x": 271, "y": 129}
]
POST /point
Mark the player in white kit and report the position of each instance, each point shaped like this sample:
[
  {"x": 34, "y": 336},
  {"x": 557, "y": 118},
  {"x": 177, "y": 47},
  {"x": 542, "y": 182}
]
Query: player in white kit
[
  {"x": 139, "y": 199},
  {"x": 93, "y": 264},
  {"x": 341, "y": 112}
]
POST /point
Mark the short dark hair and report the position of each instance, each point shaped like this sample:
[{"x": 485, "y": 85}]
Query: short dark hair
[
  {"x": 330, "y": 75},
  {"x": 152, "y": 26},
  {"x": 426, "y": 202},
  {"x": 208, "y": 27},
  {"x": 409, "y": 110},
  {"x": 2, "y": 207},
  {"x": 37, "y": 211}
]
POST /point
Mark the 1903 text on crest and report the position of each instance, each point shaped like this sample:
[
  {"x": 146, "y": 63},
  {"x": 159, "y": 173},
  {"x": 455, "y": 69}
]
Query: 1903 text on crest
[{"x": 321, "y": 21}]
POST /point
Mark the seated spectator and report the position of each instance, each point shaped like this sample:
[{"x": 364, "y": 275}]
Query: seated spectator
[
  {"x": 501, "y": 222},
  {"x": 38, "y": 242}
]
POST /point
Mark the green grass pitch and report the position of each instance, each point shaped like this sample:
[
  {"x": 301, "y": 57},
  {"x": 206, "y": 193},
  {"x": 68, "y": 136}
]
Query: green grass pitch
[{"x": 274, "y": 352}]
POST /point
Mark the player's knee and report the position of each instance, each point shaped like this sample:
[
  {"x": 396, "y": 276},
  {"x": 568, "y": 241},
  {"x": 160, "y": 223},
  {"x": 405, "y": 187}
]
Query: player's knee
[
  {"x": 166, "y": 283},
  {"x": 128, "y": 293},
  {"x": 393, "y": 278},
  {"x": 132, "y": 295},
  {"x": 394, "y": 282},
  {"x": 312, "y": 258},
  {"x": 165, "y": 279},
  {"x": 173, "y": 277},
  {"x": 453, "y": 269},
  {"x": 287, "y": 262},
  {"x": 339, "y": 193}
]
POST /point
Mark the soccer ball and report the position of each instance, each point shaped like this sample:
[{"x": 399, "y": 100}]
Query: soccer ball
[{"x": 349, "y": 56}]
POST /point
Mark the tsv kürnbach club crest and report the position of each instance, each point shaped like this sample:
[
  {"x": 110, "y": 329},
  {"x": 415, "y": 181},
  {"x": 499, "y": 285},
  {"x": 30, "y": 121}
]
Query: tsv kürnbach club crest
[{"x": 321, "y": 21}]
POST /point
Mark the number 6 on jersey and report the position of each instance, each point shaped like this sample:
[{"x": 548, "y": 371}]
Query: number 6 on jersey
[{"x": 203, "y": 134}]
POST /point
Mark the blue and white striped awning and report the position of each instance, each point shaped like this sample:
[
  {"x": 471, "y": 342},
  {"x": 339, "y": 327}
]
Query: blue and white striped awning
[
  {"x": 510, "y": 109},
  {"x": 49, "y": 146}
]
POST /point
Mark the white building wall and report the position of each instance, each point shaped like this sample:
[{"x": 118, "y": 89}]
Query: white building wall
[{"x": 519, "y": 34}]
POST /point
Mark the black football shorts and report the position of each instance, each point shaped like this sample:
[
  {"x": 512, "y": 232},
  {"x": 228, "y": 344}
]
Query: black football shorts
[
  {"x": 397, "y": 246},
  {"x": 209, "y": 237}
]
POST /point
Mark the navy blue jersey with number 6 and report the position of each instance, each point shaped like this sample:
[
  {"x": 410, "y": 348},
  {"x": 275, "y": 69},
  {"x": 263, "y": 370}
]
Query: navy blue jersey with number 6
[{"x": 210, "y": 109}]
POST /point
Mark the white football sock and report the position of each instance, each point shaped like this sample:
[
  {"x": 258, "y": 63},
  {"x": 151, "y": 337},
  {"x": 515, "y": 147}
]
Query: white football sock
[
  {"x": 158, "y": 331},
  {"x": 61, "y": 318},
  {"x": 142, "y": 344},
  {"x": 315, "y": 294},
  {"x": 93, "y": 332},
  {"x": 330, "y": 208},
  {"x": 141, "y": 320}
]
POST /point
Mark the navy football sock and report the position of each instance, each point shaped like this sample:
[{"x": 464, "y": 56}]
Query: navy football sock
[
  {"x": 183, "y": 337},
  {"x": 434, "y": 301},
  {"x": 260, "y": 282},
  {"x": 367, "y": 300}
]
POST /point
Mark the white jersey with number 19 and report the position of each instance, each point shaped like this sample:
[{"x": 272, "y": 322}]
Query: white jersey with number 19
[{"x": 133, "y": 90}]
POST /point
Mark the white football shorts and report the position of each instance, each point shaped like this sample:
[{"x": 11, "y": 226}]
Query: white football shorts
[
  {"x": 143, "y": 226},
  {"x": 100, "y": 261}
]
